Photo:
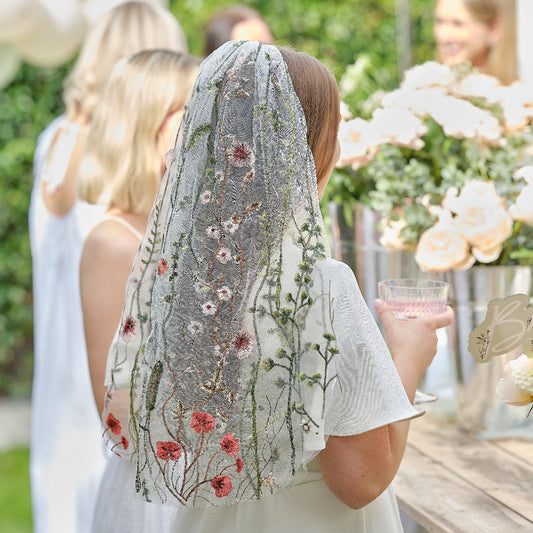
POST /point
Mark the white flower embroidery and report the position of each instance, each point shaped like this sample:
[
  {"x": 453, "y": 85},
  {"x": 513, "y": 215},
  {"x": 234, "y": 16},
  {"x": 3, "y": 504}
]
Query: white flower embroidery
[
  {"x": 232, "y": 224},
  {"x": 224, "y": 293},
  {"x": 195, "y": 327},
  {"x": 209, "y": 308},
  {"x": 224, "y": 255},
  {"x": 213, "y": 231},
  {"x": 200, "y": 287}
]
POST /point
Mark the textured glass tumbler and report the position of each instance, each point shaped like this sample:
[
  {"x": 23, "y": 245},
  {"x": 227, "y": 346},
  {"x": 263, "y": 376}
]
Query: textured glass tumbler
[{"x": 414, "y": 298}]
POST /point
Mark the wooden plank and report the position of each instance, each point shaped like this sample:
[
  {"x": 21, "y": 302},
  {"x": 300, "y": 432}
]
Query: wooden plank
[
  {"x": 502, "y": 475},
  {"x": 442, "y": 502},
  {"x": 520, "y": 448}
]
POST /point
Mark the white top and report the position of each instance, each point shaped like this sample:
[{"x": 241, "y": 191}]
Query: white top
[
  {"x": 65, "y": 422},
  {"x": 376, "y": 399}
]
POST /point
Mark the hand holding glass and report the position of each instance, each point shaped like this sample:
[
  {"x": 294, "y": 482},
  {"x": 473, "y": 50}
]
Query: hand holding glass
[{"x": 414, "y": 298}]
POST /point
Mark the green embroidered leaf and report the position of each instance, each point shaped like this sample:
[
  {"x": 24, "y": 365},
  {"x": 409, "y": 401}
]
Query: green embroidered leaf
[
  {"x": 198, "y": 133},
  {"x": 153, "y": 385}
]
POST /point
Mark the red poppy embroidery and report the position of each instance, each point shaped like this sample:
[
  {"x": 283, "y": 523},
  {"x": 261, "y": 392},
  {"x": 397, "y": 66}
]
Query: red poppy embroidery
[
  {"x": 162, "y": 267},
  {"x": 222, "y": 486},
  {"x": 128, "y": 328},
  {"x": 113, "y": 424},
  {"x": 202, "y": 422},
  {"x": 239, "y": 464},
  {"x": 168, "y": 450},
  {"x": 126, "y": 443},
  {"x": 230, "y": 444}
]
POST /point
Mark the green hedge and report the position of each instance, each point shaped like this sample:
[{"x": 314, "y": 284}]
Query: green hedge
[
  {"x": 337, "y": 32},
  {"x": 27, "y": 106}
]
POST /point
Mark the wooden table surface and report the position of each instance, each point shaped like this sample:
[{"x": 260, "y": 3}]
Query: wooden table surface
[{"x": 452, "y": 482}]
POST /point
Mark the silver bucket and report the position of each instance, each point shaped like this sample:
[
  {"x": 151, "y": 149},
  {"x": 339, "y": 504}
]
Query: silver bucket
[{"x": 478, "y": 408}]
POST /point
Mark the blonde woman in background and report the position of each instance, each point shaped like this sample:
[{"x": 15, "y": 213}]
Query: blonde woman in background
[
  {"x": 65, "y": 424},
  {"x": 133, "y": 127},
  {"x": 482, "y": 32}
]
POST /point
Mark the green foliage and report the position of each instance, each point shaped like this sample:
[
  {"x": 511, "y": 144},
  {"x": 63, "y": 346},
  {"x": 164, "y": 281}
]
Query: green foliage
[
  {"x": 15, "y": 507},
  {"x": 337, "y": 32},
  {"x": 27, "y": 105}
]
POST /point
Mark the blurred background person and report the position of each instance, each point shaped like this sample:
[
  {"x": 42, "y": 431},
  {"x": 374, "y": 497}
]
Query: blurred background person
[
  {"x": 65, "y": 424},
  {"x": 235, "y": 23},
  {"x": 482, "y": 32},
  {"x": 134, "y": 125}
]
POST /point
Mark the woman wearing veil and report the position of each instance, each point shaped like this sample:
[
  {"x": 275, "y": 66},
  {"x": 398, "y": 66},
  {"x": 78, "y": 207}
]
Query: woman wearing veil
[{"x": 247, "y": 374}]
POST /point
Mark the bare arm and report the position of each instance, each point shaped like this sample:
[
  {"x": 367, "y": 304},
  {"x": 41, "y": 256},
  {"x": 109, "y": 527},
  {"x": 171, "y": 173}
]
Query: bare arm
[
  {"x": 106, "y": 262},
  {"x": 359, "y": 467},
  {"x": 61, "y": 200}
]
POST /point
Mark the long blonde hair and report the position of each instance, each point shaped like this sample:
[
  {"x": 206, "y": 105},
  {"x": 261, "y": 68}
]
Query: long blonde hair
[
  {"x": 501, "y": 61},
  {"x": 121, "y": 161},
  {"x": 120, "y": 32}
]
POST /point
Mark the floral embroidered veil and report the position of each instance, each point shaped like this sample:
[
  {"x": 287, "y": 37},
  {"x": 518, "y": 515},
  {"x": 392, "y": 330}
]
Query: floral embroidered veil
[{"x": 226, "y": 343}]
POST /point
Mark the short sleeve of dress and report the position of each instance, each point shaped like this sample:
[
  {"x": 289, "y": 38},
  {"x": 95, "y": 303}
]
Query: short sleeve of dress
[{"x": 368, "y": 392}]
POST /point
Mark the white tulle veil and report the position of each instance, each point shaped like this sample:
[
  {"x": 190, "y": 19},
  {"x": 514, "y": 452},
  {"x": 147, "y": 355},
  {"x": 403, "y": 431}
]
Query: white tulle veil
[{"x": 226, "y": 341}]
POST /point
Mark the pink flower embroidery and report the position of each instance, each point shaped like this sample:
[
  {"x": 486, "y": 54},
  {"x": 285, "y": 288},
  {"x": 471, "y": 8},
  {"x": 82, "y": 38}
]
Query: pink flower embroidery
[
  {"x": 113, "y": 424},
  {"x": 205, "y": 197},
  {"x": 239, "y": 464},
  {"x": 125, "y": 443},
  {"x": 222, "y": 486},
  {"x": 127, "y": 331},
  {"x": 242, "y": 344},
  {"x": 202, "y": 422},
  {"x": 270, "y": 481},
  {"x": 162, "y": 267},
  {"x": 241, "y": 155},
  {"x": 168, "y": 450},
  {"x": 230, "y": 444}
]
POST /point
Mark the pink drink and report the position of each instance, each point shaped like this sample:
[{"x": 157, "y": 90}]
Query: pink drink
[
  {"x": 414, "y": 298},
  {"x": 404, "y": 309}
]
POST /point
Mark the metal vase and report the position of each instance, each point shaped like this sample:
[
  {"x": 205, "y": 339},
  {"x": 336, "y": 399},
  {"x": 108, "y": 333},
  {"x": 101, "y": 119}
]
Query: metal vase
[
  {"x": 478, "y": 408},
  {"x": 354, "y": 234}
]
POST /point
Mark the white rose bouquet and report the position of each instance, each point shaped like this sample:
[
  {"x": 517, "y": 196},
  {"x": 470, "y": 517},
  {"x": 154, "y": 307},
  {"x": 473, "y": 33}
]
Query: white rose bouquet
[
  {"x": 444, "y": 159},
  {"x": 516, "y": 387}
]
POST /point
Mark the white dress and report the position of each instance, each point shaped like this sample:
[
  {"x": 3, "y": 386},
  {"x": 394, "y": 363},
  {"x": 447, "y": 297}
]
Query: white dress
[
  {"x": 378, "y": 399},
  {"x": 67, "y": 456}
]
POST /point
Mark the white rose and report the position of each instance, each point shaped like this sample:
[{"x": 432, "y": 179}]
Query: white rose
[
  {"x": 479, "y": 86},
  {"x": 516, "y": 387},
  {"x": 440, "y": 249},
  {"x": 463, "y": 120},
  {"x": 523, "y": 208},
  {"x": 399, "y": 126},
  {"x": 428, "y": 74},
  {"x": 512, "y": 394},
  {"x": 358, "y": 143},
  {"x": 420, "y": 101}
]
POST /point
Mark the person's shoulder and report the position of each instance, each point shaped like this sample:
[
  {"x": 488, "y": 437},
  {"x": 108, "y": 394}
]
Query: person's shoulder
[
  {"x": 337, "y": 271},
  {"x": 109, "y": 242}
]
